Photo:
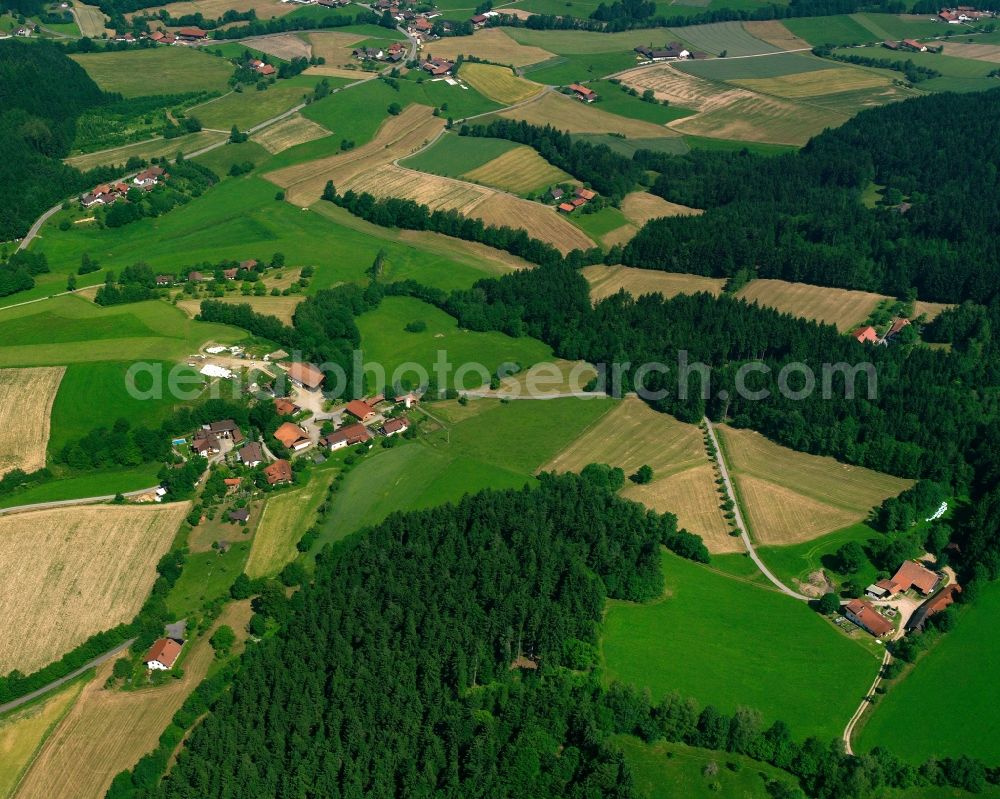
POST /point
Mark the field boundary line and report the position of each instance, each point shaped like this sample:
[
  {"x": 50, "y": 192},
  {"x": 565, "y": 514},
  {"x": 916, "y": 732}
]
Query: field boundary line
[{"x": 63, "y": 503}]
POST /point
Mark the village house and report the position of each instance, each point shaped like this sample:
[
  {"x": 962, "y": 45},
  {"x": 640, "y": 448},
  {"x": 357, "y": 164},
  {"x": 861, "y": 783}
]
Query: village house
[
  {"x": 582, "y": 93},
  {"x": 940, "y": 601},
  {"x": 196, "y": 277},
  {"x": 292, "y": 436},
  {"x": 232, "y": 484},
  {"x": 865, "y": 335},
  {"x": 162, "y": 655},
  {"x": 285, "y": 407},
  {"x": 360, "y": 410},
  {"x": 479, "y": 21},
  {"x": 395, "y": 52},
  {"x": 191, "y": 34},
  {"x": 897, "y": 325},
  {"x": 206, "y": 444},
  {"x": 249, "y": 265},
  {"x": 566, "y": 208},
  {"x": 867, "y": 618},
  {"x": 407, "y": 400},
  {"x": 227, "y": 428},
  {"x": 164, "y": 280},
  {"x": 149, "y": 177},
  {"x": 889, "y": 44},
  {"x": 368, "y": 53},
  {"x": 437, "y": 67},
  {"x": 230, "y": 274},
  {"x": 278, "y": 472},
  {"x": 394, "y": 426},
  {"x": 914, "y": 575},
  {"x": 674, "y": 51},
  {"x": 251, "y": 454},
  {"x": 305, "y": 375},
  {"x": 347, "y": 436},
  {"x": 261, "y": 67},
  {"x": 556, "y": 193},
  {"x": 421, "y": 25},
  {"x": 585, "y": 194},
  {"x": 333, "y": 3}
]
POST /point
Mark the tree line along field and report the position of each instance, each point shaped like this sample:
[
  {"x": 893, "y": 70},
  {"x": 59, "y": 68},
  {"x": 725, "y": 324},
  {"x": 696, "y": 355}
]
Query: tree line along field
[
  {"x": 157, "y": 70},
  {"x": 633, "y": 435},
  {"x": 71, "y": 572},
  {"x": 789, "y": 497},
  {"x": 213, "y": 9},
  {"x": 151, "y": 148},
  {"x": 26, "y": 397},
  {"x": 841, "y": 307},
  {"x": 731, "y": 643},
  {"x": 107, "y": 731}
]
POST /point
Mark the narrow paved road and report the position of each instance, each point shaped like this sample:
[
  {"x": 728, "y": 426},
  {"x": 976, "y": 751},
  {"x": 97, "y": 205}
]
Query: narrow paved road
[
  {"x": 62, "y": 503},
  {"x": 15, "y": 703},
  {"x": 741, "y": 526}
]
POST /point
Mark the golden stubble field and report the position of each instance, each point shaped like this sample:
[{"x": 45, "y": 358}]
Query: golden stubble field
[
  {"x": 841, "y": 307},
  {"x": 520, "y": 170},
  {"x": 607, "y": 280},
  {"x": 634, "y": 434},
  {"x": 641, "y": 206},
  {"x": 212, "y": 9},
  {"x": 491, "y": 44},
  {"x": 790, "y": 496},
  {"x": 26, "y": 397},
  {"x": 296, "y": 129},
  {"x": 499, "y": 83},
  {"x": 775, "y": 32},
  {"x": 565, "y": 113},
  {"x": 107, "y": 731},
  {"x": 67, "y": 573}
]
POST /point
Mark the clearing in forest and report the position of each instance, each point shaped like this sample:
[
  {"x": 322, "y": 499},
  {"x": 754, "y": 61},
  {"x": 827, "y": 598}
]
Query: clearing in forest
[
  {"x": 565, "y": 113},
  {"x": 107, "y": 731},
  {"x": 791, "y": 496},
  {"x": 68, "y": 573},
  {"x": 296, "y": 129},
  {"x": 521, "y": 170},
  {"x": 641, "y": 206},
  {"x": 26, "y": 397},
  {"x": 498, "y": 83},
  {"x": 844, "y": 308},
  {"x": 607, "y": 280},
  {"x": 490, "y": 44},
  {"x": 632, "y": 435},
  {"x": 774, "y": 32},
  {"x": 156, "y": 70}
]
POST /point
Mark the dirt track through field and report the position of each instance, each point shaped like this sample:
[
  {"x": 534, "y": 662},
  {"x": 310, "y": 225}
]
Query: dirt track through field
[{"x": 26, "y": 397}]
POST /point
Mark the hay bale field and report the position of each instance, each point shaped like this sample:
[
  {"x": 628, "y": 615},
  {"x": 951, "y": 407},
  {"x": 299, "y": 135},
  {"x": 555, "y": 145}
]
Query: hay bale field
[
  {"x": 296, "y": 129},
  {"x": 607, "y": 280},
  {"x": 285, "y": 46},
  {"x": 841, "y": 307},
  {"x": 565, "y": 113},
  {"x": 286, "y": 516},
  {"x": 521, "y": 170},
  {"x": 70, "y": 572},
  {"x": 977, "y": 52},
  {"x": 641, "y": 206},
  {"x": 491, "y": 44},
  {"x": 790, "y": 496},
  {"x": 26, "y": 397},
  {"x": 397, "y": 137},
  {"x": 107, "y": 731},
  {"x": 280, "y": 307},
  {"x": 633, "y": 434},
  {"x": 774, "y": 32},
  {"x": 815, "y": 83},
  {"x": 498, "y": 83}
]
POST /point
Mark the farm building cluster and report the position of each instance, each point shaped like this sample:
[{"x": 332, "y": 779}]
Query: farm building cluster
[
  {"x": 674, "y": 51},
  {"x": 184, "y": 36},
  {"x": 869, "y": 335},
  {"x": 110, "y": 193},
  {"x": 394, "y": 53},
  {"x": 581, "y": 197},
  {"x": 960, "y": 14}
]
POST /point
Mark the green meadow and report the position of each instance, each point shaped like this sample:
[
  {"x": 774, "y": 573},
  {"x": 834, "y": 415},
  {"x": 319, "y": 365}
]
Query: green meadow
[
  {"x": 731, "y": 643},
  {"x": 576, "y": 67},
  {"x": 157, "y": 70},
  {"x": 94, "y": 484},
  {"x": 386, "y": 342},
  {"x": 839, "y": 29},
  {"x": 207, "y": 576},
  {"x": 616, "y": 101},
  {"x": 941, "y": 708},
  {"x": 221, "y": 159},
  {"x": 452, "y": 155},
  {"x": 796, "y": 562},
  {"x": 600, "y": 223},
  {"x": 957, "y": 74},
  {"x": 769, "y": 66},
  {"x": 250, "y": 107}
]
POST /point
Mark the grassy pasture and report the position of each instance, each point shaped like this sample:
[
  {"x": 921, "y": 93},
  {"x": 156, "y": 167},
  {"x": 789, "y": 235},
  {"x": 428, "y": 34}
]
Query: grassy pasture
[
  {"x": 207, "y": 577},
  {"x": 816, "y": 83},
  {"x": 152, "y": 148},
  {"x": 790, "y": 496},
  {"x": 840, "y": 29},
  {"x": 498, "y": 83},
  {"x": 221, "y": 159},
  {"x": 958, "y": 74},
  {"x": 608, "y": 226},
  {"x": 248, "y": 108},
  {"x": 520, "y": 170},
  {"x": 286, "y": 517},
  {"x": 157, "y": 70},
  {"x": 576, "y": 67},
  {"x": 730, "y": 643},
  {"x": 607, "y": 280},
  {"x": 294, "y": 130},
  {"x": 617, "y": 101},
  {"x": 628, "y": 147},
  {"x": 216, "y": 8},
  {"x": 573, "y": 116},
  {"x": 901, "y": 26},
  {"x": 108, "y": 731},
  {"x": 91, "y": 484},
  {"x": 770, "y": 66},
  {"x": 281, "y": 307},
  {"x": 453, "y": 155},
  {"x": 571, "y": 42},
  {"x": 92, "y": 564},
  {"x": 23, "y": 731},
  {"x": 492, "y": 44},
  {"x": 26, "y": 397},
  {"x": 386, "y": 342},
  {"x": 953, "y": 685},
  {"x": 841, "y": 307},
  {"x": 760, "y": 148},
  {"x": 729, "y": 37}
]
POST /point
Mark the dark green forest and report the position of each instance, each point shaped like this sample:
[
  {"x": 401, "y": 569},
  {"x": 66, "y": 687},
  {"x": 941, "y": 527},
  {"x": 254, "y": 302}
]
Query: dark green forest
[{"x": 799, "y": 216}]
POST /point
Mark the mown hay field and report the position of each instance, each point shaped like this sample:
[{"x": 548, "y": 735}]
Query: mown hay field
[
  {"x": 521, "y": 170},
  {"x": 26, "y": 397},
  {"x": 841, "y": 307},
  {"x": 282, "y": 308},
  {"x": 929, "y": 310},
  {"x": 285, "y": 46},
  {"x": 434, "y": 191},
  {"x": 773, "y": 65},
  {"x": 68, "y": 573},
  {"x": 23, "y": 731},
  {"x": 815, "y": 83},
  {"x": 397, "y": 137},
  {"x": 498, "y": 83},
  {"x": 289, "y": 132},
  {"x": 491, "y": 44},
  {"x": 729, "y": 37},
  {"x": 790, "y": 496},
  {"x": 335, "y": 47},
  {"x": 977, "y": 52},
  {"x": 540, "y": 221},
  {"x": 157, "y": 70},
  {"x": 571, "y": 115},
  {"x": 90, "y": 20},
  {"x": 213, "y": 9},
  {"x": 632, "y": 435},
  {"x": 153, "y": 148},
  {"x": 774, "y": 32},
  {"x": 607, "y": 280},
  {"x": 641, "y": 206},
  {"x": 107, "y": 731},
  {"x": 286, "y": 516}
]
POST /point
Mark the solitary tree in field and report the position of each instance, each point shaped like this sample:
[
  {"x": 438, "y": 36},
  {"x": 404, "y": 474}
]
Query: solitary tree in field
[
  {"x": 222, "y": 640},
  {"x": 643, "y": 474}
]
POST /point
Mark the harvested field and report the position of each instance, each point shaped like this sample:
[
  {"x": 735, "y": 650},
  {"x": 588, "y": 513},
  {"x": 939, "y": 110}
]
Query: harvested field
[
  {"x": 815, "y": 83},
  {"x": 23, "y": 731},
  {"x": 498, "y": 83},
  {"x": 621, "y": 236},
  {"x": 607, "y": 280},
  {"x": 90, "y": 20},
  {"x": 773, "y": 32},
  {"x": 71, "y": 572},
  {"x": 280, "y": 307},
  {"x": 289, "y": 132},
  {"x": 26, "y": 397},
  {"x": 285, "y": 46},
  {"x": 213, "y": 9},
  {"x": 571, "y": 115},
  {"x": 540, "y": 221},
  {"x": 641, "y": 206},
  {"x": 521, "y": 170},
  {"x": 107, "y": 731},
  {"x": 730, "y": 37},
  {"x": 792, "y": 496},
  {"x": 634, "y": 434},
  {"x": 930, "y": 310},
  {"x": 491, "y": 44},
  {"x": 977, "y": 52},
  {"x": 397, "y": 137},
  {"x": 841, "y": 307},
  {"x": 434, "y": 191},
  {"x": 335, "y": 47}
]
